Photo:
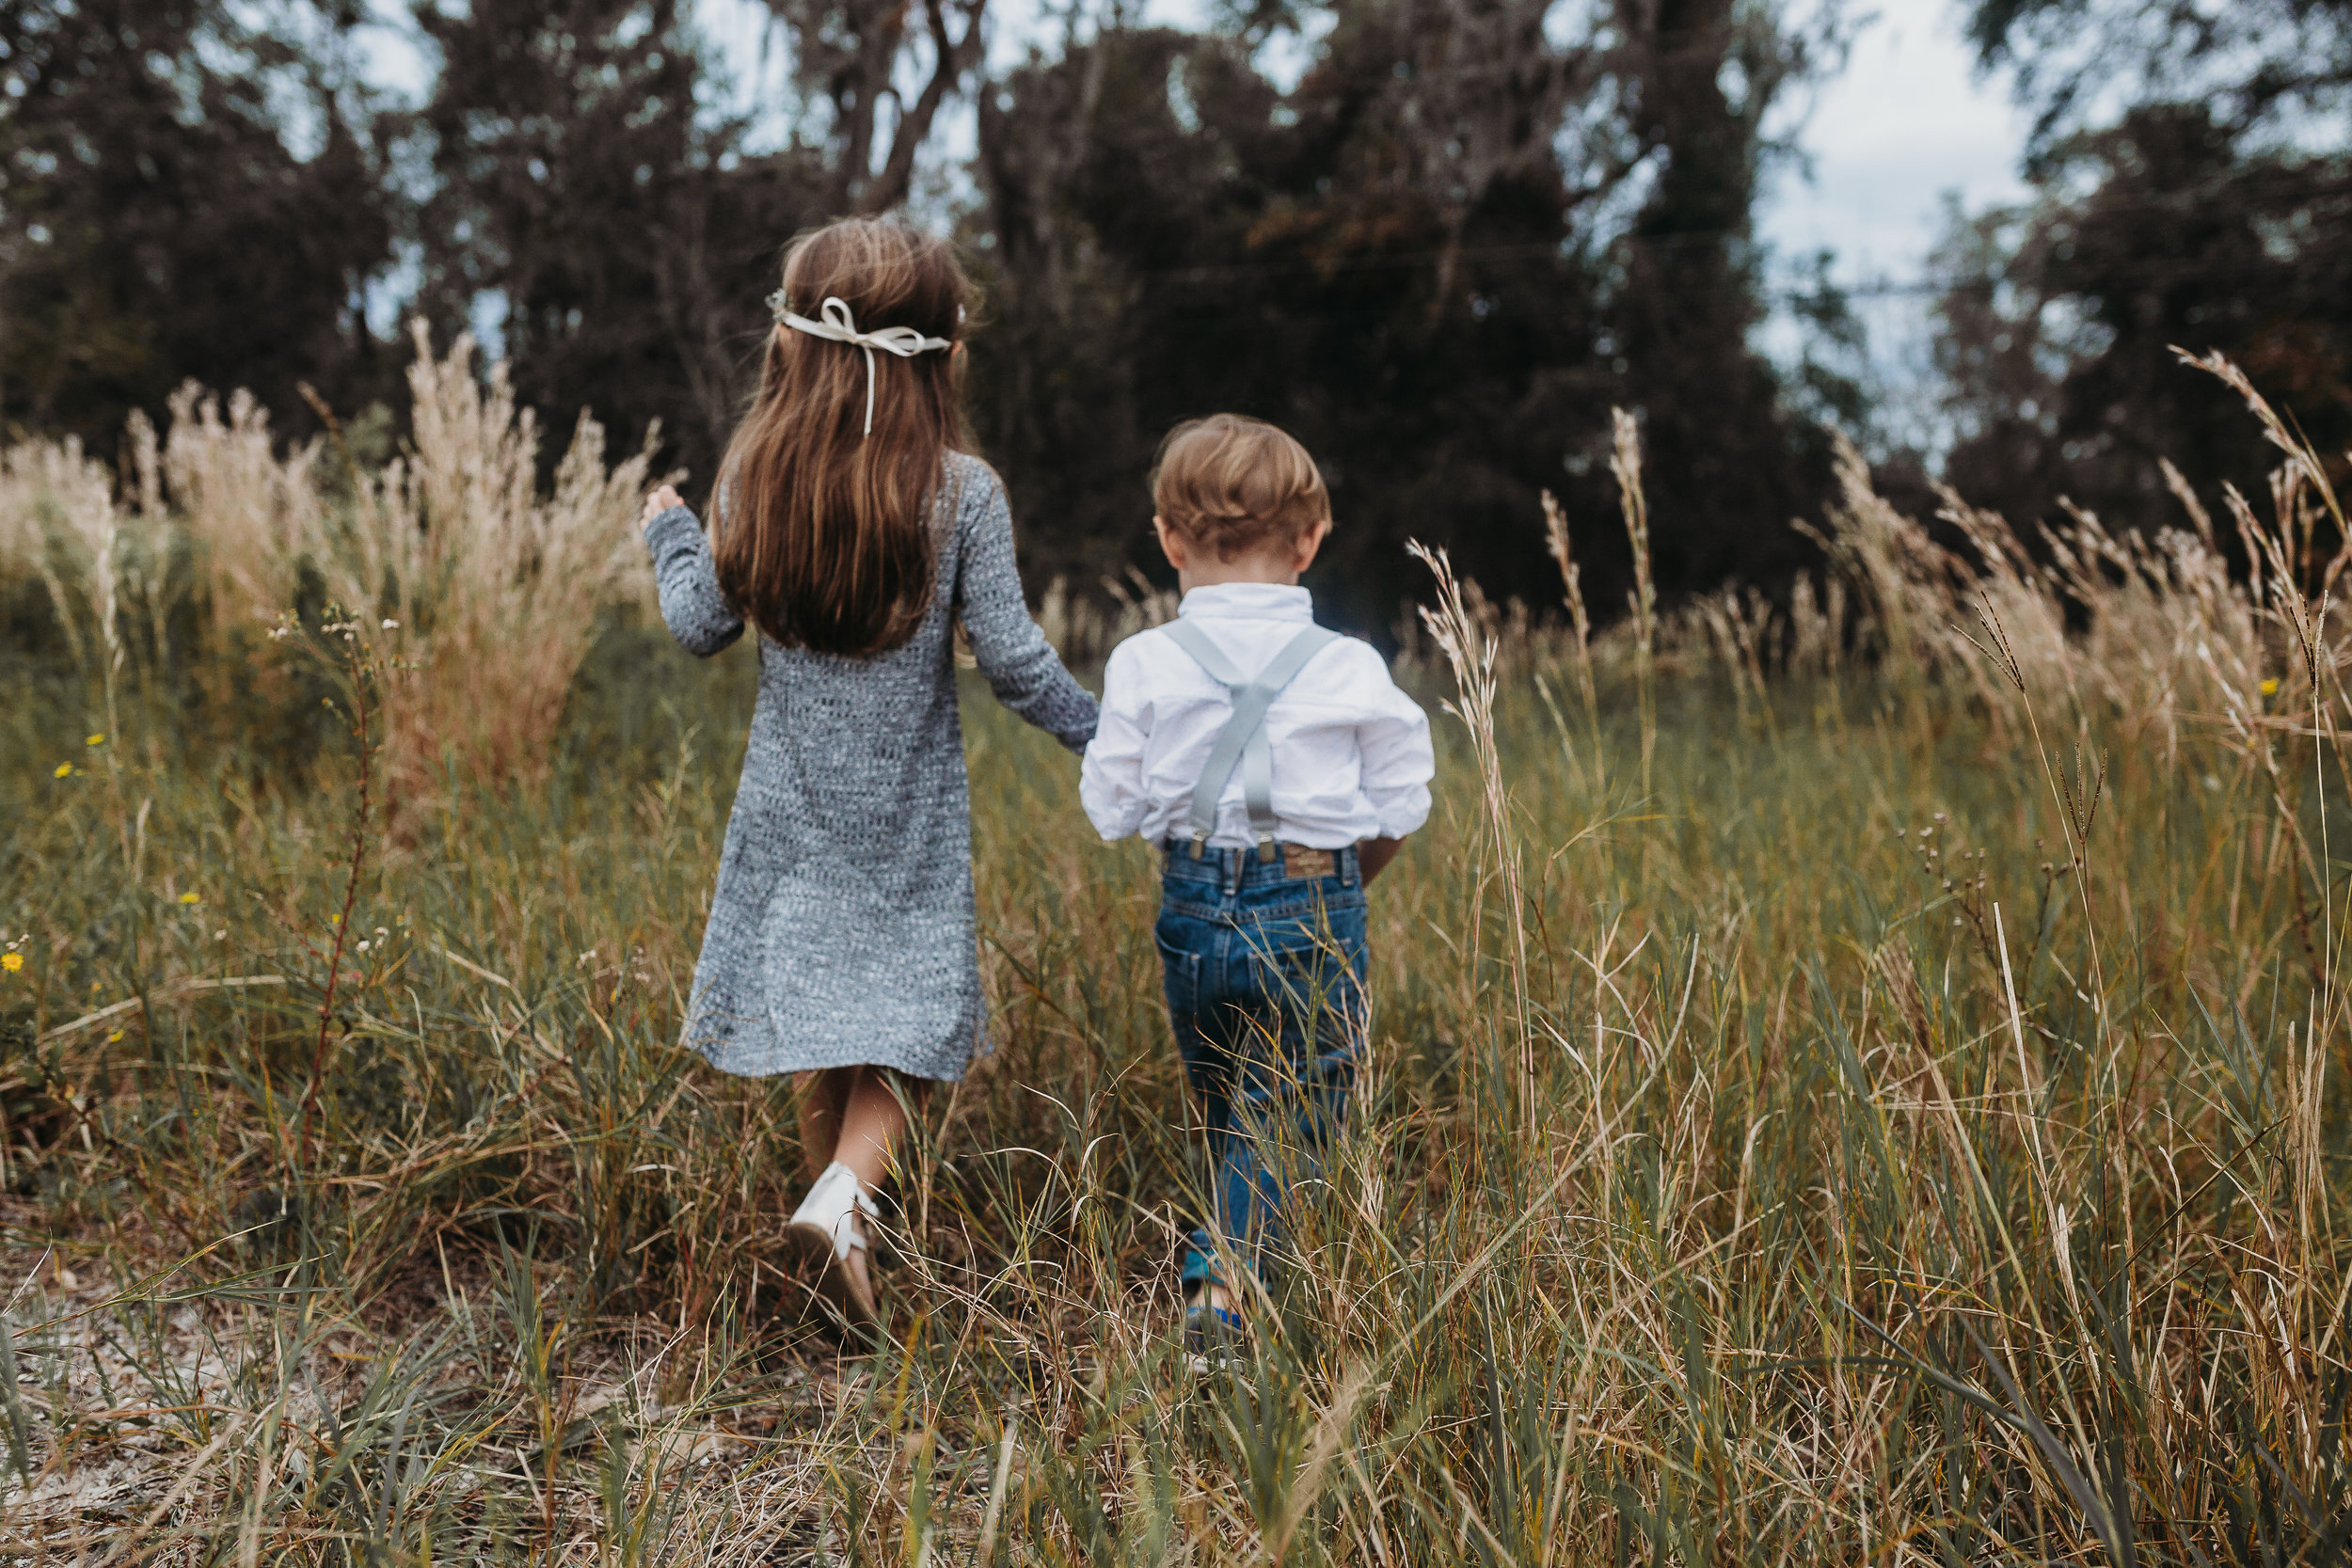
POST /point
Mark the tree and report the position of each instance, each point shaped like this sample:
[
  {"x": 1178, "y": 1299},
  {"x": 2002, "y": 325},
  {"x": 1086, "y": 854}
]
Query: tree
[
  {"x": 1415, "y": 256},
  {"x": 628, "y": 239},
  {"x": 2284, "y": 65},
  {"x": 1387, "y": 261},
  {"x": 849, "y": 56},
  {"x": 1730, "y": 465},
  {"x": 2214, "y": 212},
  {"x": 630, "y": 236},
  {"x": 155, "y": 223},
  {"x": 1410, "y": 260},
  {"x": 2059, "y": 330}
]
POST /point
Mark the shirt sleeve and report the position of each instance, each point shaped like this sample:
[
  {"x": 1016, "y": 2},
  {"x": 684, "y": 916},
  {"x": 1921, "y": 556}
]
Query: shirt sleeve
[
  {"x": 1399, "y": 761},
  {"x": 1021, "y": 667},
  {"x": 692, "y": 605},
  {"x": 1110, "y": 778}
]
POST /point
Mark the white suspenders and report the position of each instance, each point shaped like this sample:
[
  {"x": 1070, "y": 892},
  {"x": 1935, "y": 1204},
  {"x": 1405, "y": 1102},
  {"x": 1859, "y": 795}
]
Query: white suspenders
[{"x": 1244, "y": 739}]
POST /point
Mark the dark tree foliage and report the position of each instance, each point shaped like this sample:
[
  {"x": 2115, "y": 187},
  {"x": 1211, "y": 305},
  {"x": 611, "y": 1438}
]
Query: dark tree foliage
[
  {"x": 628, "y": 243},
  {"x": 1418, "y": 256},
  {"x": 1173, "y": 237},
  {"x": 2058, "y": 336},
  {"x": 2250, "y": 62},
  {"x": 1730, "y": 466},
  {"x": 155, "y": 224},
  {"x": 1403, "y": 261},
  {"x": 629, "y": 238},
  {"x": 853, "y": 59},
  {"x": 2193, "y": 222}
]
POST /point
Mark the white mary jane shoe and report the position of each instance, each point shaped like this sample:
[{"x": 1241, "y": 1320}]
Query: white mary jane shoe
[{"x": 829, "y": 1224}]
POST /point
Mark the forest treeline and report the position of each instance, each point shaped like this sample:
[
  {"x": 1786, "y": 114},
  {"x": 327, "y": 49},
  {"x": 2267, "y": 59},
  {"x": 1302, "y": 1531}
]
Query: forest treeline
[{"x": 1437, "y": 239}]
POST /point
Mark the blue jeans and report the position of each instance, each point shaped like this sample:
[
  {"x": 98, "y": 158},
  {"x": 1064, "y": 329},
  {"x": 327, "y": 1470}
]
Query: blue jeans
[{"x": 1266, "y": 988}]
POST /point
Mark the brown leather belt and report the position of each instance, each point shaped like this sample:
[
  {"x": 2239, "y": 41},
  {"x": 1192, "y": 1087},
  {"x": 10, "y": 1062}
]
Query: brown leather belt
[{"x": 1299, "y": 862}]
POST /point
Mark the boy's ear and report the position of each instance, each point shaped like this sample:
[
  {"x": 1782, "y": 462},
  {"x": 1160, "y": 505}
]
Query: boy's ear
[
  {"x": 1171, "y": 542},
  {"x": 1312, "y": 543}
]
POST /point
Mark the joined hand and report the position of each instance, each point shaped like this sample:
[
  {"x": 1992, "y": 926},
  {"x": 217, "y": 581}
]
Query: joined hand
[{"x": 660, "y": 501}]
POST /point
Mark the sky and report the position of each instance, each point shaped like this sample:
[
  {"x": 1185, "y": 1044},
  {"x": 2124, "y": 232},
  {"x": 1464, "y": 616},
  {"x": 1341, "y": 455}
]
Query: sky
[
  {"x": 1907, "y": 121},
  {"x": 1907, "y": 126}
]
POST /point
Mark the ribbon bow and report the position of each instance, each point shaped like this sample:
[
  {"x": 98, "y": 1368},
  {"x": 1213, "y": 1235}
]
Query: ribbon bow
[{"x": 838, "y": 326}]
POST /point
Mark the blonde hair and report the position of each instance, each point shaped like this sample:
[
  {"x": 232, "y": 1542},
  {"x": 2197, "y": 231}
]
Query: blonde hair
[
  {"x": 824, "y": 536},
  {"x": 1232, "y": 484}
]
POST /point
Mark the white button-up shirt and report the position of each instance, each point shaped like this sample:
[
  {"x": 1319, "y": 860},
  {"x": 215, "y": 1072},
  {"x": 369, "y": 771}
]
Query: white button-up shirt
[{"x": 1351, "y": 753}]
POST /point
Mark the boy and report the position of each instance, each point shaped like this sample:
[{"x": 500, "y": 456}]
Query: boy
[{"x": 1279, "y": 767}]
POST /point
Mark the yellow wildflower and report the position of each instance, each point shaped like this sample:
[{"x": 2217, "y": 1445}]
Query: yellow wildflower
[
  {"x": 2270, "y": 687},
  {"x": 190, "y": 898},
  {"x": 11, "y": 961},
  {"x": 98, "y": 738},
  {"x": 63, "y": 769}
]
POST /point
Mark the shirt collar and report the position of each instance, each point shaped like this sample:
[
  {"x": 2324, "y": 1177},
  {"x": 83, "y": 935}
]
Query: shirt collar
[{"x": 1250, "y": 601}]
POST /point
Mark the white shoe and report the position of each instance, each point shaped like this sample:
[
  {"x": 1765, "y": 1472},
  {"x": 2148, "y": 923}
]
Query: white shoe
[{"x": 829, "y": 1224}]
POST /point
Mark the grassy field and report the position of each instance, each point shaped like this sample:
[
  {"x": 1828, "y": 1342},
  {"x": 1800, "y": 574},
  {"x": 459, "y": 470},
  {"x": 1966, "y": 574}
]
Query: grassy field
[{"x": 1856, "y": 1077}]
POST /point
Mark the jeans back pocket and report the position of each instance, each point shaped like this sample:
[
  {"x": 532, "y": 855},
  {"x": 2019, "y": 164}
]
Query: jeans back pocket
[
  {"x": 1310, "y": 974},
  {"x": 1180, "y": 972}
]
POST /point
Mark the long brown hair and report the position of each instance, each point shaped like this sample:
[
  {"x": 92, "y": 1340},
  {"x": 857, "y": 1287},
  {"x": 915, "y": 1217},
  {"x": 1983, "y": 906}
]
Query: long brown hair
[{"x": 825, "y": 536}]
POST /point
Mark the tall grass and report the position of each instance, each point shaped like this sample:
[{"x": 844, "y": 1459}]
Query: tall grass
[
  {"x": 1854, "y": 1081},
  {"x": 486, "y": 594}
]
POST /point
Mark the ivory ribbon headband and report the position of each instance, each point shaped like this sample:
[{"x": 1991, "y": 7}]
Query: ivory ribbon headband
[{"x": 837, "y": 325}]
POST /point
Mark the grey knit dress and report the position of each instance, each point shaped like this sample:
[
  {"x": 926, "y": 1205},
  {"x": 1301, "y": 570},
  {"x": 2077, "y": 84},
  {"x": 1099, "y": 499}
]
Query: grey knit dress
[{"x": 841, "y": 929}]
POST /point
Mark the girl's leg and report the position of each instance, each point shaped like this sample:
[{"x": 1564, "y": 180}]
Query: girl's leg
[
  {"x": 855, "y": 1116},
  {"x": 819, "y": 1098},
  {"x": 852, "y": 1114},
  {"x": 873, "y": 1120}
]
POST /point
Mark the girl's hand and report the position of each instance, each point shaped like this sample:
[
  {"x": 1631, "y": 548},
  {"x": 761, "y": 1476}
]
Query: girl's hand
[{"x": 662, "y": 499}]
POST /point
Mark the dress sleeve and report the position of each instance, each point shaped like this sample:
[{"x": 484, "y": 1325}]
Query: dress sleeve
[
  {"x": 696, "y": 611},
  {"x": 1021, "y": 666}
]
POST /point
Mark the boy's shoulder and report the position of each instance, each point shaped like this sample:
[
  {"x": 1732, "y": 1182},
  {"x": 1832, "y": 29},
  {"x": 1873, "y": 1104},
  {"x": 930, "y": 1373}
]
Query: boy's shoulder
[
  {"x": 1352, "y": 655},
  {"x": 1123, "y": 658}
]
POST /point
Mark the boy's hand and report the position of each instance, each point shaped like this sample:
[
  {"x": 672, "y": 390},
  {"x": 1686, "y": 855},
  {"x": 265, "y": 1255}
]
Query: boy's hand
[
  {"x": 662, "y": 499},
  {"x": 1374, "y": 854}
]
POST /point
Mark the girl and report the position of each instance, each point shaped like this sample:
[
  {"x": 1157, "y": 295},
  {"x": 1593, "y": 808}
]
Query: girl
[{"x": 852, "y": 527}]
